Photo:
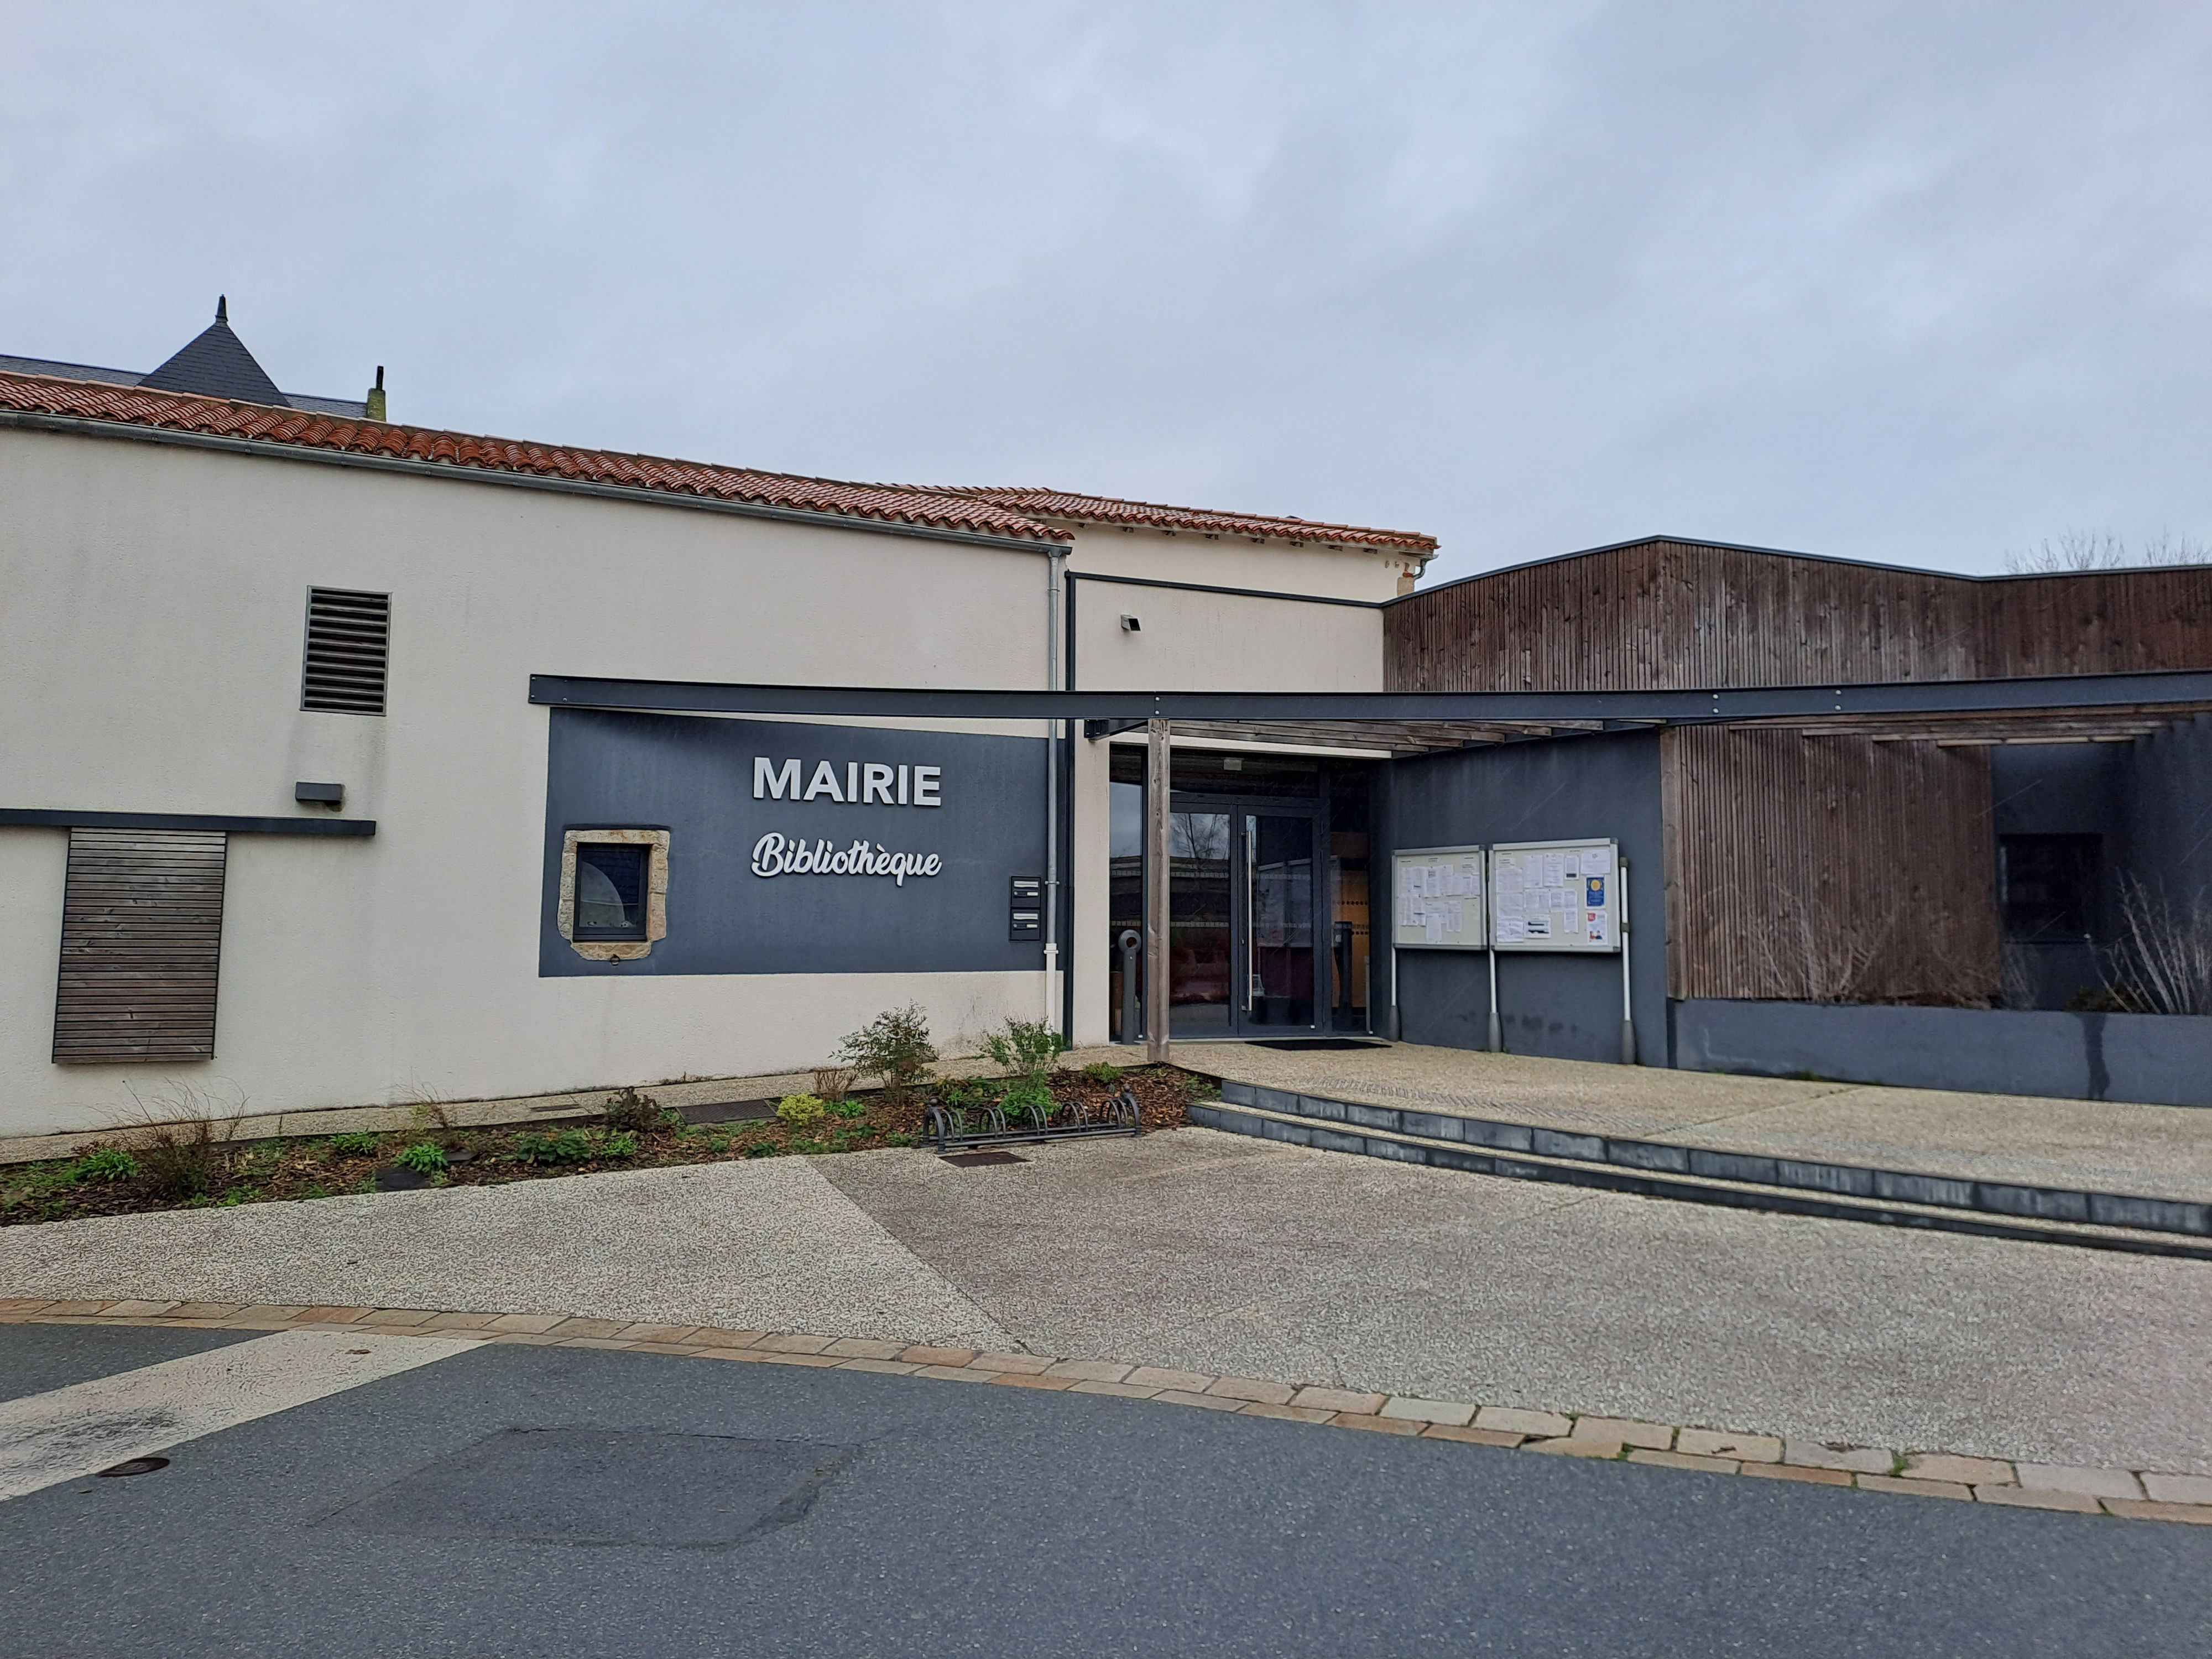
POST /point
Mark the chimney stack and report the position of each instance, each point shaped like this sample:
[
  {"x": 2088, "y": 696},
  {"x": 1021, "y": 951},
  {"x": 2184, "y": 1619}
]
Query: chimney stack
[{"x": 376, "y": 396}]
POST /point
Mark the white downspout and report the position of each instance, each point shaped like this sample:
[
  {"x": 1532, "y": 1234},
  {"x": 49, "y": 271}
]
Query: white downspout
[{"x": 1052, "y": 678}]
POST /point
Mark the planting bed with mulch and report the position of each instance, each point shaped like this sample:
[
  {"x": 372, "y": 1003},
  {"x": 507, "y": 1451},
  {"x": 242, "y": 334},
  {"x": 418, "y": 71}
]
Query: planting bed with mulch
[{"x": 194, "y": 1166}]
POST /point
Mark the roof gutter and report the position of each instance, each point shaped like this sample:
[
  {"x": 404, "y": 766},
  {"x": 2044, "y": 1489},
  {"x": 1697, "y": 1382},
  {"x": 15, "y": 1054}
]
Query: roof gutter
[{"x": 79, "y": 427}]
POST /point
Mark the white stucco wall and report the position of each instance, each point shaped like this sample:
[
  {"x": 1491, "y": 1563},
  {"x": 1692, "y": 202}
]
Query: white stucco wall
[
  {"x": 1200, "y": 641},
  {"x": 1225, "y": 561},
  {"x": 150, "y": 641}
]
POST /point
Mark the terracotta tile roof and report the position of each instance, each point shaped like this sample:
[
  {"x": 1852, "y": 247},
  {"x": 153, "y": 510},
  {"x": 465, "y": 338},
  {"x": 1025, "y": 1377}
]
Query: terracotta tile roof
[
  {"x": 1106, "y": 509},
  {"x": 177, "y": 411}
]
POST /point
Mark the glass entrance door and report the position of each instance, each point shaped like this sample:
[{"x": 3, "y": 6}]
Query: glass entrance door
[
  {"x": 1242, "y": 895},
  {"x": 1279, "y": 932},
  {"x": 1203, "y": 982}
]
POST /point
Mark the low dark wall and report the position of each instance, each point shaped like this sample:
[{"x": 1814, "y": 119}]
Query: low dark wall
[
  {"x": 2163, "y": 1060},
  {"x": 1562, "y": 1006}
]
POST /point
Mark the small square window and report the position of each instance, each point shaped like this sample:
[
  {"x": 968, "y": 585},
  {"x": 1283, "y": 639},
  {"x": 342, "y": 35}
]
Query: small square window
[{"x": 612, "y": 885}]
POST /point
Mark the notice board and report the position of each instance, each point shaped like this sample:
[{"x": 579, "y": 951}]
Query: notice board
[
  {"x": 1437, "y": 895},
  {"x": 1555, "y": 896}
]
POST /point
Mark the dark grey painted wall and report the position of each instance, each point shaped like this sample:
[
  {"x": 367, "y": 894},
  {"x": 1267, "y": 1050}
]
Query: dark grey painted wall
[
  {"x": 693, "y": 777},
  {"x": 1563, "y": 1006},
  {"x": 2164, "y": 1060},
  {"x": 2168, "y": 799}
]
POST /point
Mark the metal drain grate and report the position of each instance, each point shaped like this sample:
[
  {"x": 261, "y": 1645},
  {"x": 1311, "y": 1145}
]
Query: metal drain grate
[{"x": 973, "y": 1160}]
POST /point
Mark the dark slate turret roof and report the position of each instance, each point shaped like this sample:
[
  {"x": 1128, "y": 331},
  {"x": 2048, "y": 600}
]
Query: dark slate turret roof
[{"x": 216, "y": 364}]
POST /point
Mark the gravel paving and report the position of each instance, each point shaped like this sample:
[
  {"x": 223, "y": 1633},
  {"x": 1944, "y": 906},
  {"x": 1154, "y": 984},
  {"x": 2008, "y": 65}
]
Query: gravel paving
[
  {"x": 761, "y": 1245},
  {"x": 1199, "y": 1249}
]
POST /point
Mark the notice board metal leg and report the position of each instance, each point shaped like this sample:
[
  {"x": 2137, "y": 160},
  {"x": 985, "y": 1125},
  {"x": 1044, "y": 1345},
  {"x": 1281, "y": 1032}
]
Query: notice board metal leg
[
  {"x": 1628, "y": 1003},
  {"x": 1497, "y": 1025}
]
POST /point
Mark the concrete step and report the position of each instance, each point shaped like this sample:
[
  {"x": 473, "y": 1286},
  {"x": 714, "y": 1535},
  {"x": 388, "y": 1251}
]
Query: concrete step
[{"x": 1525, "y": 1152}]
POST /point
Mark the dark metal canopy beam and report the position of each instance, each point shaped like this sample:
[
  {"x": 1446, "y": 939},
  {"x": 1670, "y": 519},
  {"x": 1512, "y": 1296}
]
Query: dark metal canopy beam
[{"x": 2074, "y": 692}]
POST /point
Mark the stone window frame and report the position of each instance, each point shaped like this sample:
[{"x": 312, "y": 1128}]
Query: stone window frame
[{"x": 656, "y": 893}]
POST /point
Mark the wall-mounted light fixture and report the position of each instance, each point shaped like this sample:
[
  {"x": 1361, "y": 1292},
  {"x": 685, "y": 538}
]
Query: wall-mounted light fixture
[
  {"x": 1131, "y": 625},
  {"x": 332, "y": 795}
]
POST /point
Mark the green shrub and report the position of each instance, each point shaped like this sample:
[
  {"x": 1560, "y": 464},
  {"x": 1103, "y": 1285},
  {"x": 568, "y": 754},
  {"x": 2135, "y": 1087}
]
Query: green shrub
[
  {"x": 1025, "y": 1092},
  {"x": 848, "y": 1108},
  {"x": 423, "y": 1157},
  {"x": 108, "y": 1163},
  {"x": 893, "y": 1046},
  {"x": 568, "y": 1146},
  {"x": 1101, "y": 1072},
  {"x": 968, "y": 1094},
  {"x": 801, "y": 1112},
  {"x": 1029, "y": 1048},
  {"x": 619, "y": 1146},
  {"x": 353, "y": 1145},
  {"x": 762, "y": 1149}
]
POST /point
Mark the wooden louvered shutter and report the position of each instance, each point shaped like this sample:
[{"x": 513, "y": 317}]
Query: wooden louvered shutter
[
  {"x": 142, "y": 936},
  {"x": 349, "y": 645}
]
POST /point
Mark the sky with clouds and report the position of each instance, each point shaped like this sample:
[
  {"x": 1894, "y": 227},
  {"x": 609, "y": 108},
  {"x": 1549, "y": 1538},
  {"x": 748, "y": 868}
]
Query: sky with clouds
[{"x": 1921, "y": 281}]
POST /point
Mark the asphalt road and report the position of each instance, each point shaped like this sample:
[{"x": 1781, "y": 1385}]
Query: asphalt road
[{"x": 538, "y": 1501}]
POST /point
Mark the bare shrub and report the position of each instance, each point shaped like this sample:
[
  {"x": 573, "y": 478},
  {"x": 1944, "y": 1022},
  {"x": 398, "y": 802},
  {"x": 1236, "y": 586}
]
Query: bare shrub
[
  {"x": 181, "y": 1137},
  {"x": 1805, "y": 954},
  {"x": 629, "y": 1112},
  {"x": 2072, "y": 551},
  {"x": 2162, "y": 963},
  {"x": 833, "y": 1082},
  {"x": 2015, "y": 976}
]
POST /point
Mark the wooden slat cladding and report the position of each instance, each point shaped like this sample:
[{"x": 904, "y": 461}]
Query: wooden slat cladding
[
  {"x": 1678, "y": 616},
  {"x": 142, "y": 937},
  {"x": 349, "y": 651},
  {"x": 1828, "y": 869},
  {"x": 2106, "y": 621}
]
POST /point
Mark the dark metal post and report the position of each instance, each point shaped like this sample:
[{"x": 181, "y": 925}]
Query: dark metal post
[
  {"x": 1157, "y": 874},
  {"x": 1628, "y": 1003}
]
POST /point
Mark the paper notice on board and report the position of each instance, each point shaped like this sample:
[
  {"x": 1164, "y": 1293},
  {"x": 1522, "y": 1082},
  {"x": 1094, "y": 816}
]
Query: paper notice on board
[
  {"x": 1511, "y": 930},
  {"x": 1570, "y": 866},
  {"x": 1598, "y": 861},
  {"x": 1435, "y": 933},
  {"x": 1539, "y": 926},
  {"x": 1470, "y": 880}
]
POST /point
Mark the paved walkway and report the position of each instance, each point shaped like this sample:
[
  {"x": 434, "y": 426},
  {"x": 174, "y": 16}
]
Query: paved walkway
[
  {"x": 1202, "y": 1251},
  {"x": 2159, "y": 1151}
]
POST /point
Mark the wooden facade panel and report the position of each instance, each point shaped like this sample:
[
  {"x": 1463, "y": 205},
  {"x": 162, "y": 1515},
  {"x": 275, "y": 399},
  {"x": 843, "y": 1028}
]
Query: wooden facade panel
[
  {"x": 1828, "y": 869},
  {"x": 142, "y": 936},
  {"x": 1681, "y": 615}
]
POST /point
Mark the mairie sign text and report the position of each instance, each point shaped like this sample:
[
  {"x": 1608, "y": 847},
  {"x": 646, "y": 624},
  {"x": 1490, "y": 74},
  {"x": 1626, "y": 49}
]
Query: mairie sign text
[{"x": 862, "y": 783}]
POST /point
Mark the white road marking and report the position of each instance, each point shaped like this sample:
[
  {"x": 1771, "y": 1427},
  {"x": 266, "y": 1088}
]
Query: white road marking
[{"x": 69, "y": 1433}]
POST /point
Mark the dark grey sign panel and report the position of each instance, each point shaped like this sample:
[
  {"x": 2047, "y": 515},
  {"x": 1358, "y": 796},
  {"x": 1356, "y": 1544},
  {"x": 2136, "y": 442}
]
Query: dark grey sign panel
[{"x": 805, "y": 849}]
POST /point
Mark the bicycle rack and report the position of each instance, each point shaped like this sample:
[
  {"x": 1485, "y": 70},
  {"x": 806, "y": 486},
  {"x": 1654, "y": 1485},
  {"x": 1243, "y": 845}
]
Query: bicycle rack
[{"x": 959, "y": 1128}]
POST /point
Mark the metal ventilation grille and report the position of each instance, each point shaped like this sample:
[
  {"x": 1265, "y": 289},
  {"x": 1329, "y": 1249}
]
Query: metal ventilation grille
[{"x": 349, "y": 643}]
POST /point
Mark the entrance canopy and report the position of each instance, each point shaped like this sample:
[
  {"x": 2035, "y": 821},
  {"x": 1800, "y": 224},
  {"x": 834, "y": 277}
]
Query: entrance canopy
[{"x": 2081, "y": 707}]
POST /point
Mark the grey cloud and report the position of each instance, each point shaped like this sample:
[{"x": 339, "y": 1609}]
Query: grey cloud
[{"x": 1899, "y": 280}]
